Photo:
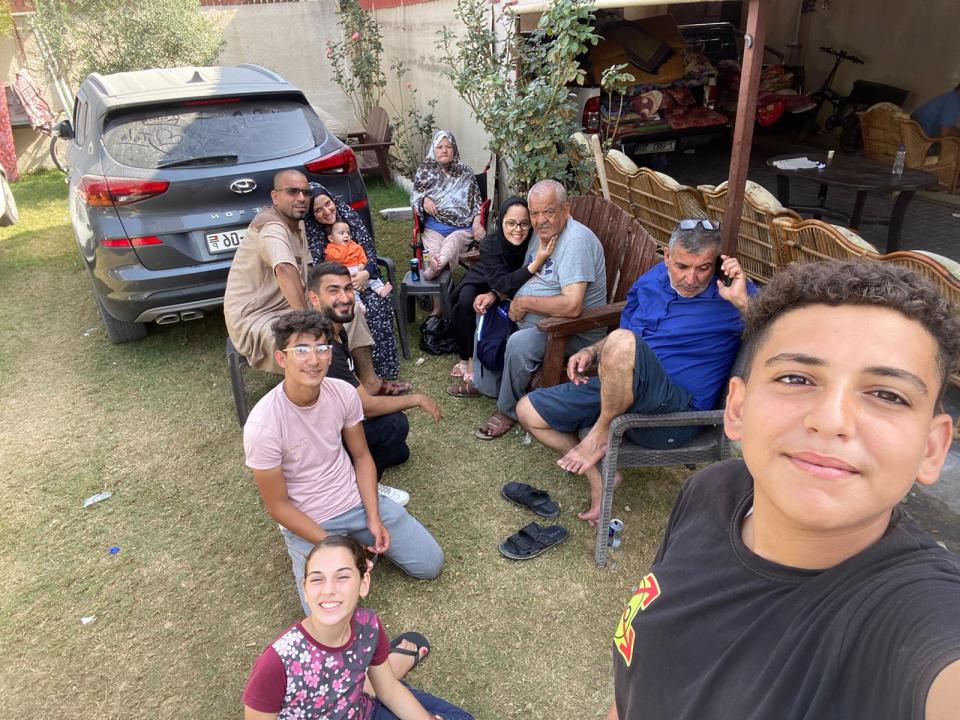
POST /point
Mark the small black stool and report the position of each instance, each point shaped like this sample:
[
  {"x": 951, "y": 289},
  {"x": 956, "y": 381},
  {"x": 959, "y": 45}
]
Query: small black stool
[
  {"x": 236, "y": 362},
  {"x": 411, "y": 288}
]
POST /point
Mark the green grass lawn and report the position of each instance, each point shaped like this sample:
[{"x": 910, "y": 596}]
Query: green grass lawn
[{"x": 202, "y": 581}]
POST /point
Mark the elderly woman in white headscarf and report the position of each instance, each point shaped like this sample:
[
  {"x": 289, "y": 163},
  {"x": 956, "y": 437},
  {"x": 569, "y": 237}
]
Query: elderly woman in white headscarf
[{"x": 447, "y": 198}]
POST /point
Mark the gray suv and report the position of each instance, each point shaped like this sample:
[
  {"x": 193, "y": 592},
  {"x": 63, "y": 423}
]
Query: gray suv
[{"x": 168, "y": 167}]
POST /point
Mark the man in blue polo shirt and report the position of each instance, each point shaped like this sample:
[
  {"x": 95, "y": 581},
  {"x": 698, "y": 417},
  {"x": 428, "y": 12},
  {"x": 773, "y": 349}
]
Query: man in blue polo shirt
[
  {"x": 679, "y": 335},
  {"x": 939, "y": 117}
]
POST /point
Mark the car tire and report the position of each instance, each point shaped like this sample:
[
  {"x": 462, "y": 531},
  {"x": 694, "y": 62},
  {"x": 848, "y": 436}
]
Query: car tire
[
  {"x": 10, "y": 215},
  {"x": 120, "y": 331}
]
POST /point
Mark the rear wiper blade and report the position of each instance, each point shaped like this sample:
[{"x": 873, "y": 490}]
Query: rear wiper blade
[{"x": 205, "y": 160}]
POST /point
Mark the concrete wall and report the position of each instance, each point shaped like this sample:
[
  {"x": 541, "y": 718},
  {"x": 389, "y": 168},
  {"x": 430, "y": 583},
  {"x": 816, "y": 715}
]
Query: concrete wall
[
  {"x": 410, "y": 35},
  {"x": 911, "y": 45},
  {"x": 291, "y": 39}
]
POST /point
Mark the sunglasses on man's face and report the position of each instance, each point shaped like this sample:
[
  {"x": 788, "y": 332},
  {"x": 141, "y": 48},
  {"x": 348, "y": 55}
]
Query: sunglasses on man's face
[
  {"x": 693, "y": 223},
  {"x": 293, "y": 192}
]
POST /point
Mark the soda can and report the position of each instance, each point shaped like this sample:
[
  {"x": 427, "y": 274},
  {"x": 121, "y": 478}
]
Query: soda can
[
  {"x": 615, "y": 533},
  {"x": 414, "y": 269}
]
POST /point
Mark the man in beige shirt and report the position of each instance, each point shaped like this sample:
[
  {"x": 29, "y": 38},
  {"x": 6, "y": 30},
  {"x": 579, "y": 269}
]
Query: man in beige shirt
[{"x": 269, "y": 272}]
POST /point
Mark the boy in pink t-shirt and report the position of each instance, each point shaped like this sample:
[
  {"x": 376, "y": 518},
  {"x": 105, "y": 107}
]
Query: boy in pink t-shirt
[{"x": 306, "y": 446}]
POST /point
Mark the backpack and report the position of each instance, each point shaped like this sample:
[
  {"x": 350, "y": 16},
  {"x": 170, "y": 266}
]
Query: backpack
[{"x": 494, "y": 328}]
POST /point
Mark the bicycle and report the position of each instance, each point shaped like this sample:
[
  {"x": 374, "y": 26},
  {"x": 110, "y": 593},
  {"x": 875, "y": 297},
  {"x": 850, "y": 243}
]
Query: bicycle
[
  {"x": 58, "y": 145},
  {"x": 844, "y": 113}
]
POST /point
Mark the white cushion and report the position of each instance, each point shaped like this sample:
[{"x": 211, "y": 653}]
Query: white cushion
[
  {"x": 851, "y": 236},
  {"x": 622, "y": 162},
  {"x": 952, "y": 266}
]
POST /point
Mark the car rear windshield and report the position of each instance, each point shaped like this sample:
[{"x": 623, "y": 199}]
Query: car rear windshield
[{"x": 230, "y": 131}]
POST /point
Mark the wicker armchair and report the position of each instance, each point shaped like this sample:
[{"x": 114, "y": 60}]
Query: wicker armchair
[
  {"x": 880, "y": 127},
  {"x": 711, "y": 445},
  {"x": 945, "y": 165},
  {"x": 659, "y": 202},
  {"x": 756, "y": 249},
  {"x": 806, "y": 240},
  {"x": 944, "y": 272}
]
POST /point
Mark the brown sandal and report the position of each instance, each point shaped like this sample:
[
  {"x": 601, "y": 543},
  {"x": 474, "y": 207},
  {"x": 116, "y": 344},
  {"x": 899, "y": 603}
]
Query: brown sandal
[
  {"x": 466, "y": 389},
  {"x": 494, "y": 426}
]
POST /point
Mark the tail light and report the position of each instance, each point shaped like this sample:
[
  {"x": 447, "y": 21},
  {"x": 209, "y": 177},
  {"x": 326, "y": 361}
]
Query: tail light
[
  {"x": 125, "y": 242},
  {"x": 341, "y": 162},
  {"x": 359, "y": 204},
  {"x": 591, "y": 115},
  {"x": 99, "y": 191}
]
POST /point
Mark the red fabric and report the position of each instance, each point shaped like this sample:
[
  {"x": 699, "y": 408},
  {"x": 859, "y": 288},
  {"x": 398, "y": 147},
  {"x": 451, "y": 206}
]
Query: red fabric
[
  {"x": 697, "y": 116},
  {"x": 8, "y": 150},
  {"x": 38, "y": 110}
]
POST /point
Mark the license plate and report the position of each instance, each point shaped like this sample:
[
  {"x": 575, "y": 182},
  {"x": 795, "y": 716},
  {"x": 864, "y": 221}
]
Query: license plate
[
  {"x": 655, "y": 147},
  {"x": 221, "y": 242}
]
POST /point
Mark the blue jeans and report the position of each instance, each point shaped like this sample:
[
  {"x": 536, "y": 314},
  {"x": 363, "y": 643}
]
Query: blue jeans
[
  {"x": 431, "y": 703},
  {"x": 412, "y": 547}
]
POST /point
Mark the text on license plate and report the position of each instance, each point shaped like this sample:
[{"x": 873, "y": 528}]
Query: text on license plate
[
  {"x": 221, "y": 242},
  {"x": 655, "y": 147}
]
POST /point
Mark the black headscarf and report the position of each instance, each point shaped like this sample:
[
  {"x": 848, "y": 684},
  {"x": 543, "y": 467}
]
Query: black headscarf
[
  {"x": 317, "y": 236},
  {"x": 496, "y": 243}
]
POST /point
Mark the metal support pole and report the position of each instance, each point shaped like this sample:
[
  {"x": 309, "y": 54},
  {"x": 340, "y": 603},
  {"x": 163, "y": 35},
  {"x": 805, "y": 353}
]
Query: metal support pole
[{"x": 743, "y": 128}]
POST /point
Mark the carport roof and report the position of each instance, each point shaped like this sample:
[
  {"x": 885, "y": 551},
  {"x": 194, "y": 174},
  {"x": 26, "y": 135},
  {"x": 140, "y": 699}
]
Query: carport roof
[{"x": 522, "y": 7}]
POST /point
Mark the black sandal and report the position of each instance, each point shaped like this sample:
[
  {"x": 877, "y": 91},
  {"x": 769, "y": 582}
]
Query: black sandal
[
  {"x": 539, "y": 501},
  {"x": 532, "y": 540},
  {"x": 417, "y": 639}
]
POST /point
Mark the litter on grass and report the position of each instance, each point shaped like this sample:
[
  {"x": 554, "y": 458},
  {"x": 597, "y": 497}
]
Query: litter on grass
[
  {"x": 114, "y": 549},
  {"x": 94, "y": 499},
  {"x": 88, "y": 619},
  {"x": 421, "y": 361}
]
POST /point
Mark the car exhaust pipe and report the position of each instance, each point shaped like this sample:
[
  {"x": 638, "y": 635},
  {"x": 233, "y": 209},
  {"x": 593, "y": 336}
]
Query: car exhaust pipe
[
  {"x": 168, "y": 319},
  {"x": 188, "y": 315}
]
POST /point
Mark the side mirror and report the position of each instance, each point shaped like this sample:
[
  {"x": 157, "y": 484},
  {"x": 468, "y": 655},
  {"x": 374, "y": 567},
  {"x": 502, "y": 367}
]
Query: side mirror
[{"x": 64, "y": 129}]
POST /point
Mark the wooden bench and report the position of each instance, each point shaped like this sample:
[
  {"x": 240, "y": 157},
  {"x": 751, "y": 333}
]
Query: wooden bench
[
  {"x": 372, "y": 144},
  {"x": 628, "y": 252}
]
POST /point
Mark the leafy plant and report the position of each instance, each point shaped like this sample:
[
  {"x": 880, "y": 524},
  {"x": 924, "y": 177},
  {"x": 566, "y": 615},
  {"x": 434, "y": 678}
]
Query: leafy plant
[
  {"x": 355, "y": 60},
  {"x": 615, "y": 82},
  {"x": 518, "y": 86},
  {"x": 412, "y": 127},
  {"x": 108, "y": 36},
  {"x": 356, "y": 69}
]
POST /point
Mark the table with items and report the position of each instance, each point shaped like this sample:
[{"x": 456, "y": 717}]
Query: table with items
[{"x": 852, "y": 173}]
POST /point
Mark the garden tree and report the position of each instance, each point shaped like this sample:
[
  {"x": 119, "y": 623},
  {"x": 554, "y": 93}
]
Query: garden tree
[
  {"x": 518, "y": 86},
  {"x": 355, "y": 62},
  {"x": 108, "y": 36}
]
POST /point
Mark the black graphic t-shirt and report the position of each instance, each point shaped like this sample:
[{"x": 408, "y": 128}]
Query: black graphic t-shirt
[{"x": 716, "y": 631}]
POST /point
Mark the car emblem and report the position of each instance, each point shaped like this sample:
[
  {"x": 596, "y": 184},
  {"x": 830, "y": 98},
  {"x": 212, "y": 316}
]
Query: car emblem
[{"x": 243, "y": 186}]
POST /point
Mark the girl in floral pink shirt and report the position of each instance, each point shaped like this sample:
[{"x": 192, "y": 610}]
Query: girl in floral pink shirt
[{"x": 326, "y": 666}]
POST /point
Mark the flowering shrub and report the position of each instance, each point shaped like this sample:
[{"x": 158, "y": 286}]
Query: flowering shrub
[
  {"x": 356, "y": 60},
  {"x": 356, "y": 69}
]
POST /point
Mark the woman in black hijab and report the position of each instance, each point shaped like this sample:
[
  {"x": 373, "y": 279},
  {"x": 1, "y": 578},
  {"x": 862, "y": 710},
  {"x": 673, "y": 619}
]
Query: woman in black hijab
[{"x": 503, "y": 268}]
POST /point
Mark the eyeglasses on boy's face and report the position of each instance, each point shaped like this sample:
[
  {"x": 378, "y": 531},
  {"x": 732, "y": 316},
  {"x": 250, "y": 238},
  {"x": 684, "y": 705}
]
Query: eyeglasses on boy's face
[
  {"x": 293, "y": 192},
  {"x": 693, "y": 223},
  {"x": 303, "y": 351}
]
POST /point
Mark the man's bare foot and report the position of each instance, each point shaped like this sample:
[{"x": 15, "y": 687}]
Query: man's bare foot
[
  {"x": 402, "y": 663},
  {"x": 584, "y": 456},
  {"x": 591, "y": 516}
]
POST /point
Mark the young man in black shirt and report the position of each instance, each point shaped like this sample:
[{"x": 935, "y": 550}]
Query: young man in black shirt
[
  {"x": 386, "y": 427},
  {"x": 792, "y": 584}
]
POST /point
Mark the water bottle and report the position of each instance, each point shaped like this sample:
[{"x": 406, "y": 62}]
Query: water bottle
[{"x": 900, "y": 160}]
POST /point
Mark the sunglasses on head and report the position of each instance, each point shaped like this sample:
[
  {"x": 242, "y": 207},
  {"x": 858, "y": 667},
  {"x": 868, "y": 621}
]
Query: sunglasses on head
[{"x": 693, "y": 223}]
